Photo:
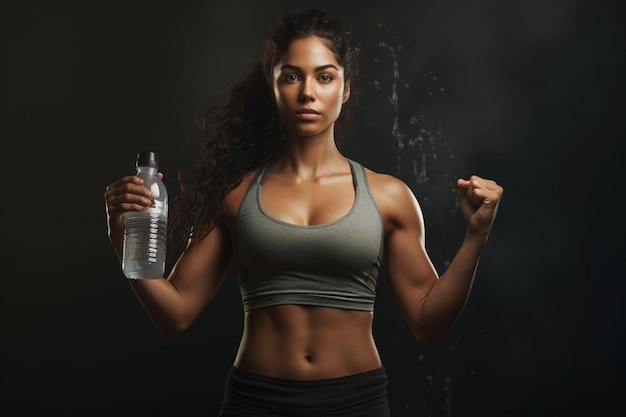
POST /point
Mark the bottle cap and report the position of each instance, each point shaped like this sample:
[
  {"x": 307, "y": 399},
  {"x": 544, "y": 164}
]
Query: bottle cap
[{"x": 149, "y": 159}]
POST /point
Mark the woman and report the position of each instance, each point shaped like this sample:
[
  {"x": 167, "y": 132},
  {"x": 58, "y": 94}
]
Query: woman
[{"x": 306, "y": 229}]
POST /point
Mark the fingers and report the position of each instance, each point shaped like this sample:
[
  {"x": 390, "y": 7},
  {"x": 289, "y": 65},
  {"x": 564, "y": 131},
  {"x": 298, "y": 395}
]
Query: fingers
[
  {"x": 127, "y": 194},
  {"x": 129, "y": 179},
  {"x": 480, "y": 191}
]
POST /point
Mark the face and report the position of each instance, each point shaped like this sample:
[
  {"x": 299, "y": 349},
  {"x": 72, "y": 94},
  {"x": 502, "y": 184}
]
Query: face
[{"x": 309, "y": 88}]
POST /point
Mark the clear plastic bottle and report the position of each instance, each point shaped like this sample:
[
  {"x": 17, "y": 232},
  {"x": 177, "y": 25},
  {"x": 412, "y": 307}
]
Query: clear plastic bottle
[{"x": 145, "y": 231}]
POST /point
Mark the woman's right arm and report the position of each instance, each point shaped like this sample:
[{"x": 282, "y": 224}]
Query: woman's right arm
[{"x": 172, "y": 303}]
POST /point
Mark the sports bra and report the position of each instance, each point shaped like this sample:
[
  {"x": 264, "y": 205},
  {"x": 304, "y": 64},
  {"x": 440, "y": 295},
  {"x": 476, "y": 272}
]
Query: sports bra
[{"x": 334, "y": 264}]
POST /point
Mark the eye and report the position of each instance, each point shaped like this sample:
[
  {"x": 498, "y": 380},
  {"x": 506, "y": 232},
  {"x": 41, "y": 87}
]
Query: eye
[
  {"x": 326, "y": 78},
  {"x": 291, "y": 78}
]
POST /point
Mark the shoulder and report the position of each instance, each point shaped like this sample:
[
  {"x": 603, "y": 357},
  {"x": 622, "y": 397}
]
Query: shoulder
[
  {"x": 235, "y": 196},
  {"x": 388, "y": 187},
  {"x": 395, "y": 199}
]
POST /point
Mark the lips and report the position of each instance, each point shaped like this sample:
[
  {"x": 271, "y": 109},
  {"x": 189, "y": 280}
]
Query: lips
[
  {"x": 308, "y": 115},
  {"x": 307, "y": 111}
]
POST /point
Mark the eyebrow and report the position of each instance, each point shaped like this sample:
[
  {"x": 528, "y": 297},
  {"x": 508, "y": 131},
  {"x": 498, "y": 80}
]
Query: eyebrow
[{"x": 320, "y": 68}]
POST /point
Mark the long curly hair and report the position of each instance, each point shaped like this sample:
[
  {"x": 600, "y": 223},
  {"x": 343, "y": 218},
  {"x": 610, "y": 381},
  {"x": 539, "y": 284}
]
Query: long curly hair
[{"x": 245, "y": 132}]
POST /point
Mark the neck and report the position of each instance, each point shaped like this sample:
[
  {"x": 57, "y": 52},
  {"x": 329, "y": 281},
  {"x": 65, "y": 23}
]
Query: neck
[{"x": 309, "y": 157}]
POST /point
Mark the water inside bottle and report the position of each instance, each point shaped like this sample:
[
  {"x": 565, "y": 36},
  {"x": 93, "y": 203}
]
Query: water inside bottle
[{"x": 144, "y": 245}]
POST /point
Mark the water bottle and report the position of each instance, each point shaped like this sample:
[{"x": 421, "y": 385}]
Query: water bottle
[{"x": 143, "y": 255}]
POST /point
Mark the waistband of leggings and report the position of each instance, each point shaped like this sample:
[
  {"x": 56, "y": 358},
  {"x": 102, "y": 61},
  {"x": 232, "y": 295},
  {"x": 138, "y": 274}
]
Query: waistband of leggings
[
  {"x": 378, "y": 374},
  {"x": 248, "y": 387}
]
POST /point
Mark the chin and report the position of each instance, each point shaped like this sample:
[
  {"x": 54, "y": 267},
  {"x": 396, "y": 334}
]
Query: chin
[{"x": 307, "y": 130}]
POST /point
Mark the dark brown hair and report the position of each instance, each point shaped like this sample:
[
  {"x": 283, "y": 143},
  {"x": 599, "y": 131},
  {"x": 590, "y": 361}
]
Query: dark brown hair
[{"x": 245, "y": 132}]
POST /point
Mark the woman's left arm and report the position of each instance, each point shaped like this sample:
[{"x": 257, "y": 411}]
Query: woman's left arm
[{"x": 429, "y": 303}]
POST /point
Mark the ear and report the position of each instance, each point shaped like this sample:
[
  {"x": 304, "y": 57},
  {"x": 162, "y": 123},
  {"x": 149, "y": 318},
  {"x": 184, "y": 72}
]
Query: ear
[{"x": 346, "y": 92}]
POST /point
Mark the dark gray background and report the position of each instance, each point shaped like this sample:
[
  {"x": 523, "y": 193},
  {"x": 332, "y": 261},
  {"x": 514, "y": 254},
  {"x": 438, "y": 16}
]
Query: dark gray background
[{"x": 529, "y": 93}]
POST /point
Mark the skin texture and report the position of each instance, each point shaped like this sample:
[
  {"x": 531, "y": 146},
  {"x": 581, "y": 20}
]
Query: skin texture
[{"x": 310, "y": 183}]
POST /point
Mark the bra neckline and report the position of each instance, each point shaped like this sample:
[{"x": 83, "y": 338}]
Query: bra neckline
[{"x": 269, "y": 216}]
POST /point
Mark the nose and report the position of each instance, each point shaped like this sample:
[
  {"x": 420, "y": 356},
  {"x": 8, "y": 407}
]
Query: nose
[{"x": 308, "y": 90}]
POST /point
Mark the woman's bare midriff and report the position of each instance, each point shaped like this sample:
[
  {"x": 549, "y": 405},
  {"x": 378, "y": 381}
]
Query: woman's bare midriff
[{"x": 307, "y": 343}]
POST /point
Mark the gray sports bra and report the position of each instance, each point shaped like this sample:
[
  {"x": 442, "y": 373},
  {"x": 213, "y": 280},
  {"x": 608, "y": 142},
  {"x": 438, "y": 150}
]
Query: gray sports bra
[{"x": 334, "y": 264}]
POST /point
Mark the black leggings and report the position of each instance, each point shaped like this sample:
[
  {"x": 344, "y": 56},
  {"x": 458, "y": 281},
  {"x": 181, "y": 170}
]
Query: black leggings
[{"x": 251, "y": 395}]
